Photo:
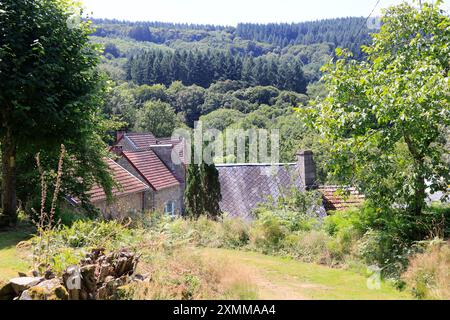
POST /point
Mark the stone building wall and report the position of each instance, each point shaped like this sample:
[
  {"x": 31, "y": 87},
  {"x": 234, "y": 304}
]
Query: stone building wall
[
  {"x": 174, "y": 194},
  {"x": 125, "y": 206},
  {"x": 150, "y": 194}
]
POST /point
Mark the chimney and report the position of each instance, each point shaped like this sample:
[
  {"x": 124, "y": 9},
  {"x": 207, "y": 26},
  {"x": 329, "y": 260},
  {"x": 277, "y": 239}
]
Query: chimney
[
  {"x": 164, "y": 152},
  {"x": 307, "y": 168},
  {"x": 119, "y": 135},
  {"x": 117, "y": 150}
]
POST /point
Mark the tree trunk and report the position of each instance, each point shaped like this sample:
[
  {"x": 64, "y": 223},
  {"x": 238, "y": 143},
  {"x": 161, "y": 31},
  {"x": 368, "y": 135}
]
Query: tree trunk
[
  {"x": 419, "y": 195},
  {"x": 9, "y": 202},
  {"x": 418, "y": 203}
]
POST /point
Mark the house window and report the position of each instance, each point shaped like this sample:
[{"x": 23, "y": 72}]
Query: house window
[{"x": 169, "y": 208}]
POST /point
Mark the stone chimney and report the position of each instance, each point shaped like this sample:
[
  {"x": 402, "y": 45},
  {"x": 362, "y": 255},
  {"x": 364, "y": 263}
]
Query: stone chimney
[
  {"x": 307, "y": 168},
  {"x": 164, "y": 152},
  {"x": 119, "y": 135}
]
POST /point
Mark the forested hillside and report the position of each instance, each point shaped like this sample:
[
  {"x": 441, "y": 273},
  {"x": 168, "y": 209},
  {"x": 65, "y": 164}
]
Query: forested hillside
[{"x": 248, "y": 76}]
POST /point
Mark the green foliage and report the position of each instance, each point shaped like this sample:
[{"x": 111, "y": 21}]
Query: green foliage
[
  {"x": 158, "y": 118},
  {"x": 221, "y": 118},
  {"x": 267, "y": 234},
  {"x": 91, "y": 233},
  {"x": 202, "y": 194},
  {"x": 192, "y": 194},
  {"x": 203, "y": 68},
  {"x": 384, "y": 117},
  {"x": 295, "y": 210},
  {"x": 311, "y": 246},
  {"x": 385, "y": 250},
  {"x": 54, "y": 91}
]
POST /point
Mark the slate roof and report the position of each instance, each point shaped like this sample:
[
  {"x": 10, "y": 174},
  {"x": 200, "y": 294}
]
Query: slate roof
[
  {"x": 334, "y": 201},
  {"x": 151, "y": 168},
  {"x": 128, "y": 183},
  {"x": 243, "y": 186}
]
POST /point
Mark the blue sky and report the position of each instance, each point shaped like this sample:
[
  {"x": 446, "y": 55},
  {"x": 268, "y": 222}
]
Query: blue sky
[{"x": 230, "y": 12}]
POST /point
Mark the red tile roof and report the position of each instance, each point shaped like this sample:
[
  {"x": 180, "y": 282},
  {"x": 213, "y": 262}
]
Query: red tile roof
[
  {"x": 151, "y": 168},
  {"x": 141, "y": 140},
  {"x": 334, "y": 201},
  {"x": 128, "y": 183}
]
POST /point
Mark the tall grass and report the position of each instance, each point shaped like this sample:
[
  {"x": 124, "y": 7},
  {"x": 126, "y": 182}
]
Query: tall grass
[{"x": 428, "y": 274}]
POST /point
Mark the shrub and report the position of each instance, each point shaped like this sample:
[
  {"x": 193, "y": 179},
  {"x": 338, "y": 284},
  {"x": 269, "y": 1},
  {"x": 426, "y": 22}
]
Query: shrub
[
  {"x": 428, "y": 274},
  {"x": 344, "y": 243},
  {"x": 63, "y": 246},
  {"x": 207, "y": 232},
  {"x": 309, "y": 246},
  {"x": 267, "y": 233},
  {"x": 92, "y": 233},
  {"x": 385, "y": 250},
  {"x": 297, "y": 210},
  {"x": 340, "y": 220},
  {"x": 68, "y": 216},
  {"x": 235, "y": 232}
]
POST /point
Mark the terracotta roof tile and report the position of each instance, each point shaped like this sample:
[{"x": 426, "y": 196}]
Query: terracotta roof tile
[
  {"x": 334, "y": 201},
  {"x": 141, "y": 140},
  {"x": 152, "y": 169},
  {"x": 129, "y": 184}
]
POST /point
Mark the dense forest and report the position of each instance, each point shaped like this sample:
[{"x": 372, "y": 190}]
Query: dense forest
[{"x": 248, "y": 76}]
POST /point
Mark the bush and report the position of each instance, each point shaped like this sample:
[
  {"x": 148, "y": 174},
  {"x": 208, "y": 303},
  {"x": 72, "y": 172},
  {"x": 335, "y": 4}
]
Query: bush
[
  {"x": 63, "y": 246},
  {"x": 428, "y": 275},
  {"x": 348, "y": 219},
  {"x": 235, "y": 232},
  {"x": 92, "y": 233},
  {"x": 309, "y": 246},
  {"x": 267, "y": 233},
  {"x": 385, "y": 250}
]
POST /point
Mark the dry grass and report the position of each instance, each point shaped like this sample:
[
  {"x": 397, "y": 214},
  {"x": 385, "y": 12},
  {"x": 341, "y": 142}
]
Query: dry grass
[
  {"x": 187, "y": 275},
  {"x": 428, "y": 274}
]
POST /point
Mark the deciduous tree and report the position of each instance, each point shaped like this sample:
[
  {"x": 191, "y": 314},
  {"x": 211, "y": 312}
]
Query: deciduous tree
[{"x": 385, "y": 117}]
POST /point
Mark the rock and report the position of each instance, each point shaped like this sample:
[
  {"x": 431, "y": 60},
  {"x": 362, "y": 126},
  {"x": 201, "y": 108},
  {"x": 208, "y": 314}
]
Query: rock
[
  {"x": 138, "y": 277},
  {"x": 104, "y": 271},
  {"x": 88, "y": 277},
  {"x": 7, "y": 292},
  {"x": 48, "y": 275},
  {"x": 72, "y": 281},
  {"x": 46, "y": 290},
  {"x": 23, "y": 283},
  {"x": 35, "y": 273},
  {"x": 25, "y": 296},
  {"x": 24, "y": 245}
]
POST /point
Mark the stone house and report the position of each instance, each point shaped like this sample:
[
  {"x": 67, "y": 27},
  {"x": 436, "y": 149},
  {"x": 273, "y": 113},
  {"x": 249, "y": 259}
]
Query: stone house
[
  {"x": 129, "y": 197},
  {"x": 151, "y": 161},
  {"x": 160, "y": 175}
]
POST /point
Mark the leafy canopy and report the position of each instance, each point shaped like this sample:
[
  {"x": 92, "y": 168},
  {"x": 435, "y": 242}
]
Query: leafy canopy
[{"x": 384, "y": 117}]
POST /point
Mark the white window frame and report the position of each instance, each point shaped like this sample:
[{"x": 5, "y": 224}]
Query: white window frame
[{"x": 170, "y": 212}]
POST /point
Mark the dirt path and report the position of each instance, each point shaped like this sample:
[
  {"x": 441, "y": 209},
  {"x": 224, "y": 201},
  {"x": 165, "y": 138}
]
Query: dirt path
[{"x": 279, "y": 279}]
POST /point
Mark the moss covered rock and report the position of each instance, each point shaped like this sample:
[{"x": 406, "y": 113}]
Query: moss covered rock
[{"x": 46, "y": 290}]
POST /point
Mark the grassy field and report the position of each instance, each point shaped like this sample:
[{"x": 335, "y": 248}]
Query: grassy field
[
  {"x": 274, "y": 277},
  {"x": 280, "y": 278},
  {"x": 11, "y": 259}
]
